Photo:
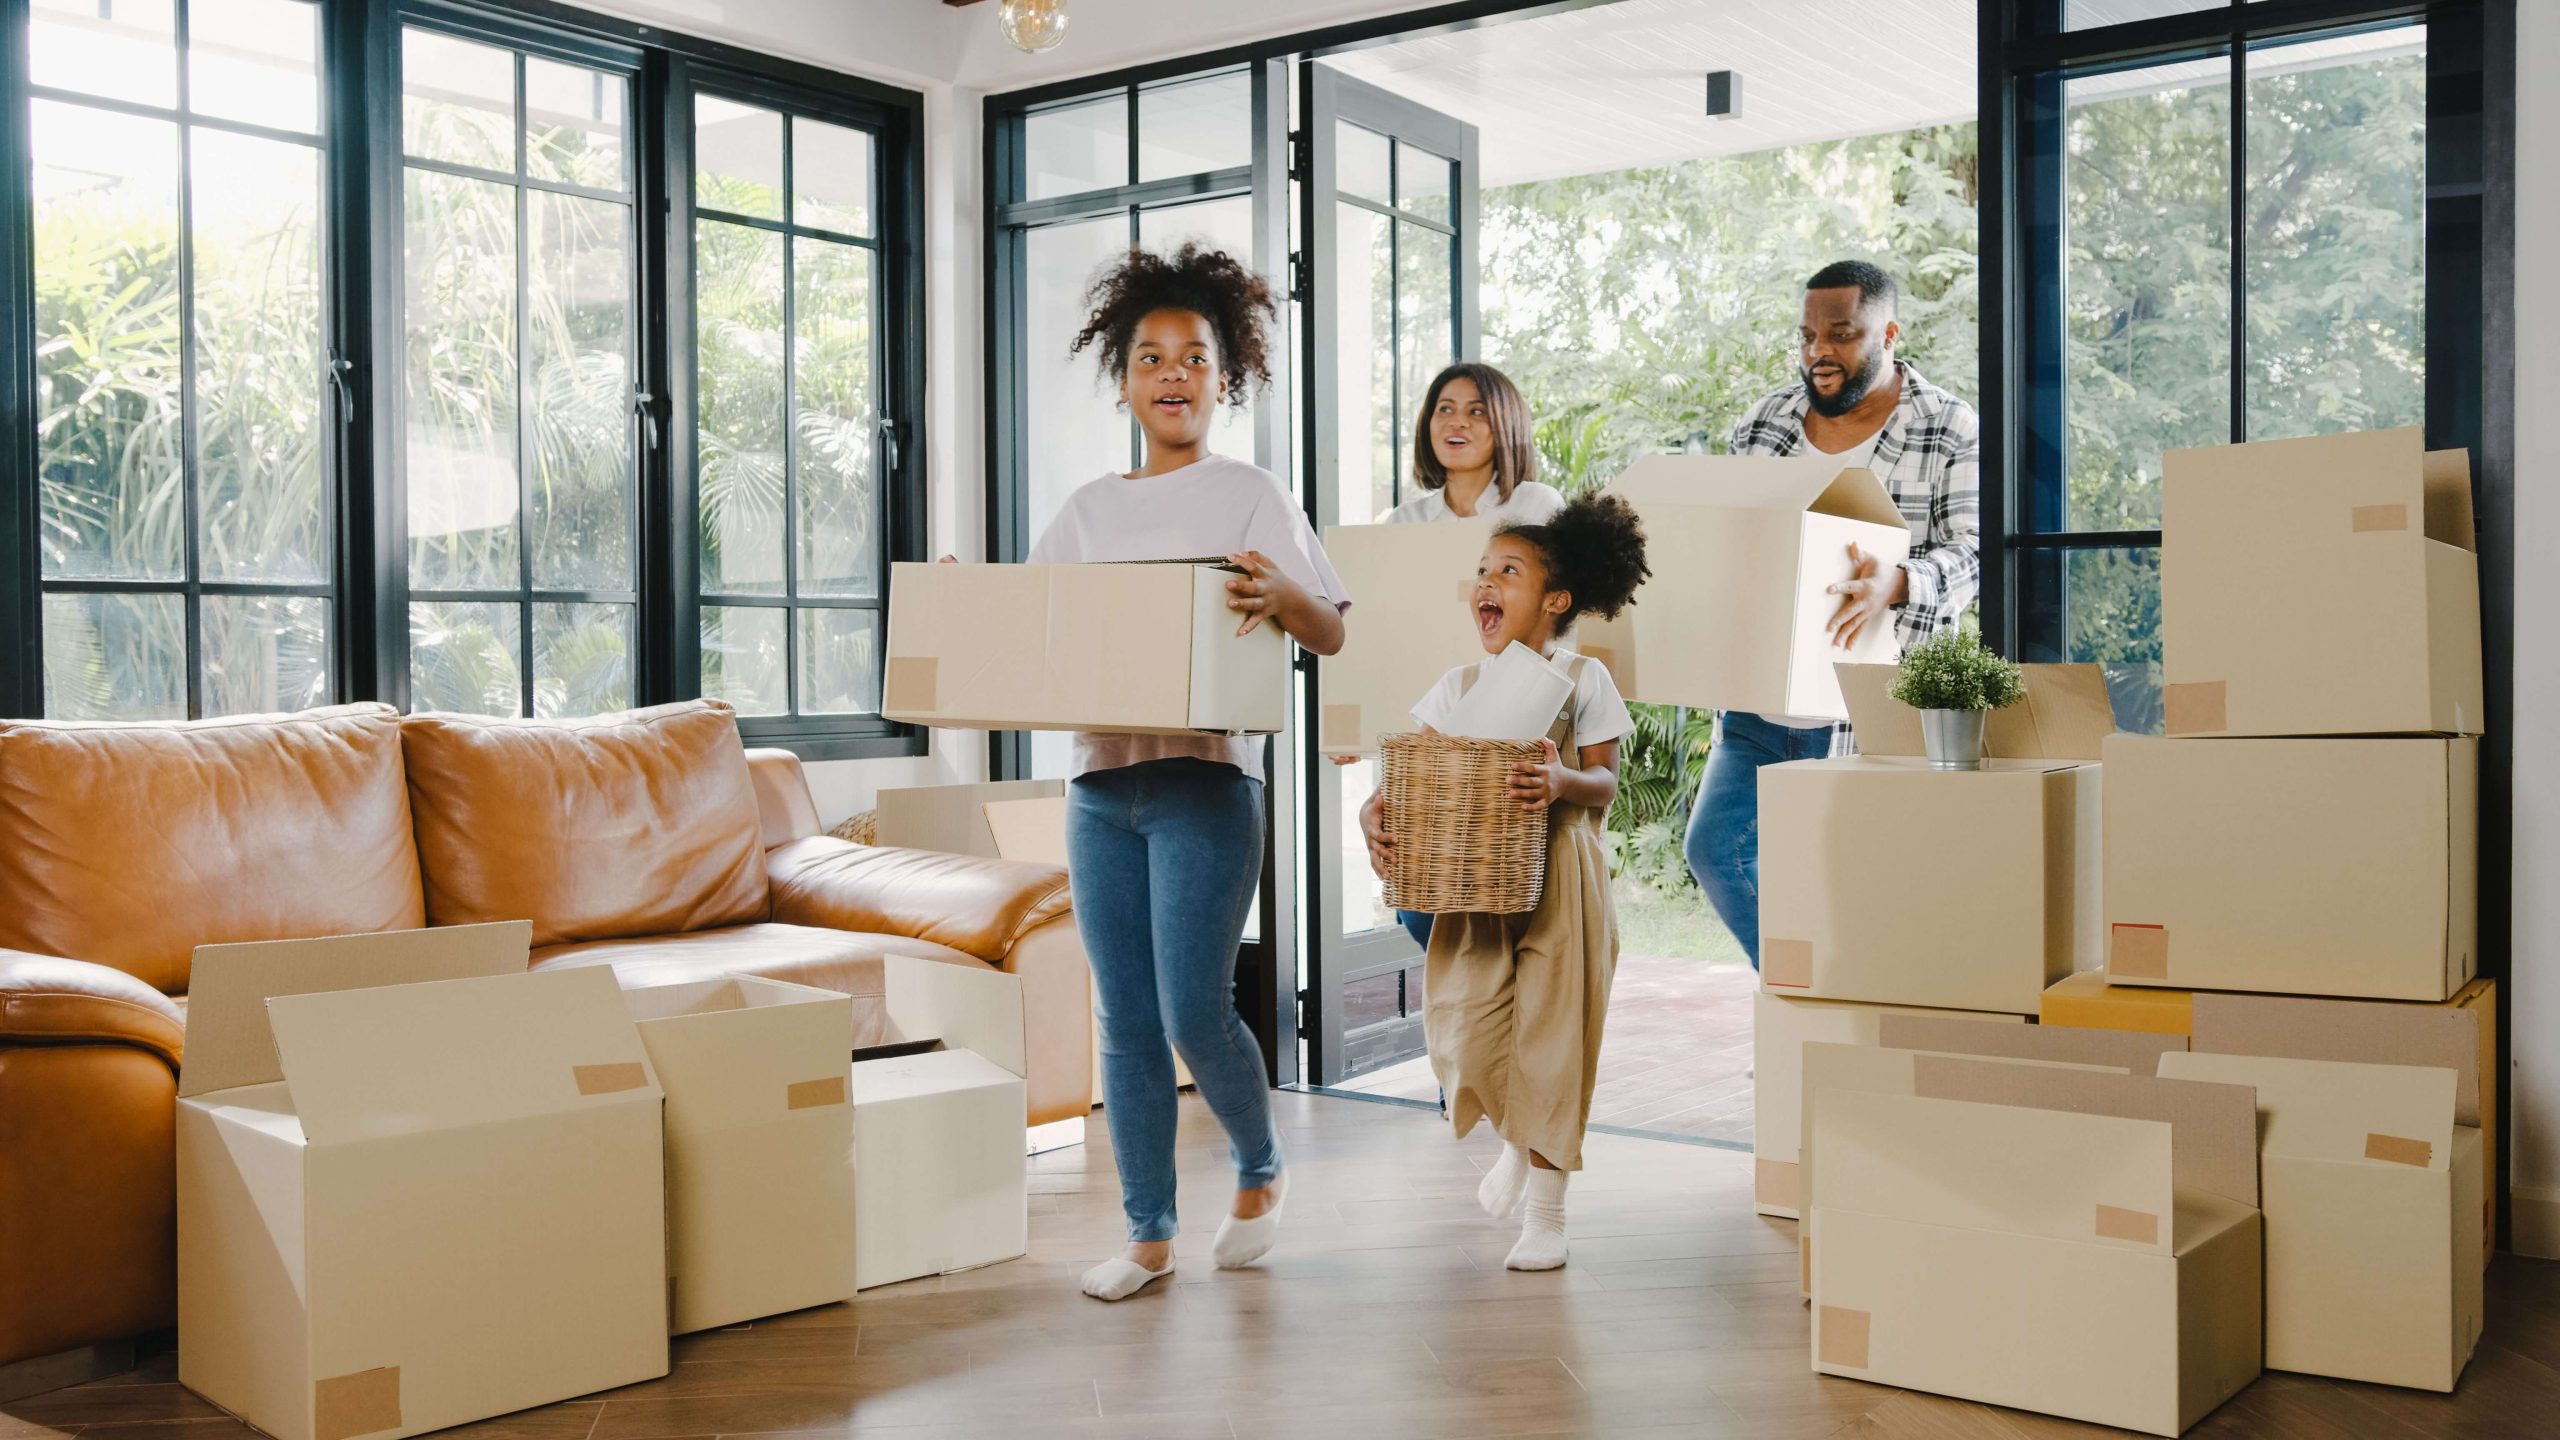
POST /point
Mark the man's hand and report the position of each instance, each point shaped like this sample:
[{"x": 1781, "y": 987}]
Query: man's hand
[
  {"x": 1534, "y": 782},
  {"x": 1867, "y": 599},
  {"x": 1373, "y": 826}
]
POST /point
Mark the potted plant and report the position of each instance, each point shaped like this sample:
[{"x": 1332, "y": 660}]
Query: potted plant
[{"x": 1954, "y": 682}]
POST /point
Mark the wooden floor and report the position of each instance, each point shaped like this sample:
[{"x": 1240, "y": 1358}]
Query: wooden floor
[
  {"x": 1385, "y": 1312},
  {"x": 1678, "y": 1057}
]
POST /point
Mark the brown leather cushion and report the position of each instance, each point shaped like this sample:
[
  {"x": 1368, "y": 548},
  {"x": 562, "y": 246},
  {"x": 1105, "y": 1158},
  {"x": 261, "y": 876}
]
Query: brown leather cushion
[
  {"x": 967, "y": 902},
  {"x": 47, "y": 1000},
  {"x": 835, "y": 960},
  {"x": 130, "y": 845},
  {"x": 642, "y": 823}
]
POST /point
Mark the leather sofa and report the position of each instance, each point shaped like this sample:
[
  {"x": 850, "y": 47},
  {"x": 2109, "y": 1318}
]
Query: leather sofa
[{"x": 648, "y": 841}]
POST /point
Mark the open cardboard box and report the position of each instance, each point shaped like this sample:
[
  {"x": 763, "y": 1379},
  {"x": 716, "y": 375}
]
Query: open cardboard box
[
  {"x": 2078, "y": 1243},
  {"x": 1781, "y": 1026},
  {"x": 1743, "y": 548},
  {"x": 2297, "y": 867},
  {"x": 939, "y": 1173},
  {"x": 1148, "y": 648},
  {"x": 957, "y": 819},
  {"x": 417, "y": 1186},
  {"x": 1415, "y": 625},
  {"x": 760, "y": 1187},
  {"x": 2248, "y": 530},
  {"x": 1845, "y": 914}
]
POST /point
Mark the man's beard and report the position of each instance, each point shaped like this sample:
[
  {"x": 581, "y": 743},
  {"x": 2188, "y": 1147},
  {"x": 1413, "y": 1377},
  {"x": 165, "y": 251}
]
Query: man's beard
[{"x": 1853, "y": 389}]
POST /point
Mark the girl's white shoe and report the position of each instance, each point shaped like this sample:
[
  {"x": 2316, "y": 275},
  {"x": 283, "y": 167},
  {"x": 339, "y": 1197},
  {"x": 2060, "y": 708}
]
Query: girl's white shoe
[
  {"x": 1120, "y": 1277},
  {"x": 1542, "y": 1245},
  {"x": 1500, "y": 1192},
  {"x": 1241, "y": 1242}
]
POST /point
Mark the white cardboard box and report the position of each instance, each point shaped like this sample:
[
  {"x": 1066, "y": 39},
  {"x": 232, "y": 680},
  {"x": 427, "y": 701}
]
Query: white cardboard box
[
  {"x": 940, "y": 1178},
  {"x": 429, "y": 1199},
  {"x": 1414, "y": 625},
  {"x": 760, "y": 1185}
]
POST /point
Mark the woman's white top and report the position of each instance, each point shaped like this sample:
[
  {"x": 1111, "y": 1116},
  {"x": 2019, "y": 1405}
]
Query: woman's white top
[
  {"x": 1599, "y": 713},
  {"x": 1532, "y": 502}
]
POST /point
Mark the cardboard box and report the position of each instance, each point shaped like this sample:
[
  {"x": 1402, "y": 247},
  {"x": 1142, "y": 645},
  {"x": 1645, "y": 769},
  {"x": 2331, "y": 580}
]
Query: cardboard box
[
  {"x": 759, "y": 1146},
  {"x": 2373, "y": 1214},
  {"x": 939, "y": 1174},
  {"x": 1415, "y": 625},
  {"x": 1781, "y": 1025},
  {"x": 2300, "y": 867},
  {"x": 2248, "y": 530},
  {"x": 2085, "y": 1245},
  {"x": 1844, "y": 912},
  {"x": 1147, "y": 648},
  {"x": 954, "y": 819},
  {"x": 1742, "y": 548},
  {"x": 2084, "y": 1000},
  {"x": 417, "y": 1186}
]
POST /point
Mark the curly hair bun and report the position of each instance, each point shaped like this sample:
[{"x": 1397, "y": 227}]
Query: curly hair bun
[
  {"x": 1210, "y": 283},
  {"x": 1594, "y": 549}
]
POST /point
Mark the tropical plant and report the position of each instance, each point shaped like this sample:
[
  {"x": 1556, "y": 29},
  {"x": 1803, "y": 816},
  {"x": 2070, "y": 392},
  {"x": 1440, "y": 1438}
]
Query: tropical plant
[{"x": 1954, "y": 670}]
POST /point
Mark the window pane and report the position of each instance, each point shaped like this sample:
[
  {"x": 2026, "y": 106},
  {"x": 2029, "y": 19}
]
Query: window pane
[
  {"x": 108, "y": 343},
  {"x": 738, "y": 280},
  {"x": 2147, "y": 287},
  {"x": 1373, "y": 1001},
  {"x": 839, "y": 662},
  {"x": 460, "y": 377},
  {"x": 1196, "y": 125},
  {"x": 581, "y": 659},
  {"x": 255, "y": 60},
  {"x": 742, "y": 657},
  {"x": 834, "y": 433},
  {"x": 1423, "y": 182},
  {"x": 2090, "y": 14},
  {"x": 579, "y": 307},
  {"x": 462, "y": 656},
  {"x": 128, "y": 50},
  {"x": 265, "y": 653},
  {"x": 1364, "y": 309},
  {"x": 2101, "y": 607},
  {"x": 1364, "y": 895},
  {"x": 830, "y": 177},
  {"x": 260, "y": 358},
  {"x": 1360, "y": 163},
  {"x": 1424, "y": 346},
  {"x": 458, "y": 100},
  {"x": 1076, "y": 148},
  {"x": 115, "y": 657},
  {"x": 1221, "y": 225},
  {"x": 1072, "y": 430},
  {"x": 2337, "y": 251},
  {"x": 573, "y": 125},
  {"x": 737, "y": 158}
]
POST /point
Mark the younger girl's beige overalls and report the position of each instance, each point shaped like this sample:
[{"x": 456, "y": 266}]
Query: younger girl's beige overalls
[{"x": 1513, "y": 1004}]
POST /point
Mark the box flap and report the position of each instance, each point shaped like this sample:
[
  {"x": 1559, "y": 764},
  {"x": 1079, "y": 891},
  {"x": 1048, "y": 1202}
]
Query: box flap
[
  {"x": 2378, "y": 1032},
  {"x": 2339, "y": 1110},
  {"x": 2213, "y": 1128},
  {"x": 1816, "y": 483},
  {"x": 405, "y": 1059},
  {"x": 1034, "y": 830},
  {"x": 228, "y": 1041},
  {"x": 2448, "y": 485},
  {"x": 2086, "y": 1179},
  {"x": 2129, "y": 1050},
  {"x": 966, "y": 1007},
  {"x": 2066, "y": 714}
]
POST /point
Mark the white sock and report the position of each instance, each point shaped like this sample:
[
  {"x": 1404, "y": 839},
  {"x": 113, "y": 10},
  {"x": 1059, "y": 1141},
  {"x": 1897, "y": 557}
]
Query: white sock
[
  {"x": 1120, "y": 1277},
  {"x": 1542, "y": 1245},
  {"x": 1500, "y": 1192},
  {"x": 1241, "y": 1242}
]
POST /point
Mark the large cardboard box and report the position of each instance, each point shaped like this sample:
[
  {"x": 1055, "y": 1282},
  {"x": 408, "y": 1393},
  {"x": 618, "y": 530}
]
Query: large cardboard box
[
  {"x": 2248, "y": 530},
  {"x": 954, "y": 819},
  {"x": 940, "y": 1180},
  {"x": 1414, "y": 625},
  {"x": 1845, "y": 913},
  {"x": 2299, "y": 867},
  {"x": 2373, "y": 1213},
  {"x": 2085, "y": 1245},
  {"x": 1149, "y": 648},
  {"x": 759, "y": 1146},
  {"x": 1781, "y": 1026},
  {"x": 417, "y": 1204},
  {"x": 1742, "y": 549}
]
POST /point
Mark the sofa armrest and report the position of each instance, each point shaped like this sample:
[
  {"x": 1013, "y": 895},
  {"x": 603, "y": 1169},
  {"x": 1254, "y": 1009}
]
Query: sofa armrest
[
  {"x": 48, "y": 1000},
  {"x": 971, "y": 904},
  {"x": 783, "y": 803}
]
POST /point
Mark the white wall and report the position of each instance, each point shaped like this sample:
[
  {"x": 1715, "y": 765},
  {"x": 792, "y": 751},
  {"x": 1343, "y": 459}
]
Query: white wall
[{"x": 2534, "y": 986}]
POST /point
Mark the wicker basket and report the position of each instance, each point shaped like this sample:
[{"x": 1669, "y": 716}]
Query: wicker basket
[{"x": 1462, "y": 843}]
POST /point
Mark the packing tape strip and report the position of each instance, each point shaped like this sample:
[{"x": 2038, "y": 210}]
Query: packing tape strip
[
  {"x": 2197, "y": 707},
  {"x": 1845, "y": 1334},
  {"x": 2117, "y": 1223},
  {"x": 608, "y": 1079},
  {"x": 811, "y": 1094},
  {"x": 1341, "y": 727},
  {"x": 362, "y": 1403},
  {"x": 914, "y": 683},
  {"x": 2398, "y": 1150},
  {"x": 1786, "y": 963},
  {"x": 1773, "y": 1182},
  {"x": 2138, "y": 952},
  {"x": 2380, "y": 517}
]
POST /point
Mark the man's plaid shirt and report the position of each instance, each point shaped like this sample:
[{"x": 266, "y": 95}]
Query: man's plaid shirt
[{"x": 1929, "y": 458}]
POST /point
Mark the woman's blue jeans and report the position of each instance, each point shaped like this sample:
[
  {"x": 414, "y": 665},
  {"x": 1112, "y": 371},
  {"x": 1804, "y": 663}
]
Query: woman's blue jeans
[
  {"x": 1723, "y": 844},
  {"x": 1163, "y": 858}
]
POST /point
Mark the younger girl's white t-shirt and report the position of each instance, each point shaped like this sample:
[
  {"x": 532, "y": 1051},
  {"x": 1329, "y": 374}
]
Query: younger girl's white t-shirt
[
  {"x": 1214, "y": 506},
  {"x": 1599, "y": 713}
]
